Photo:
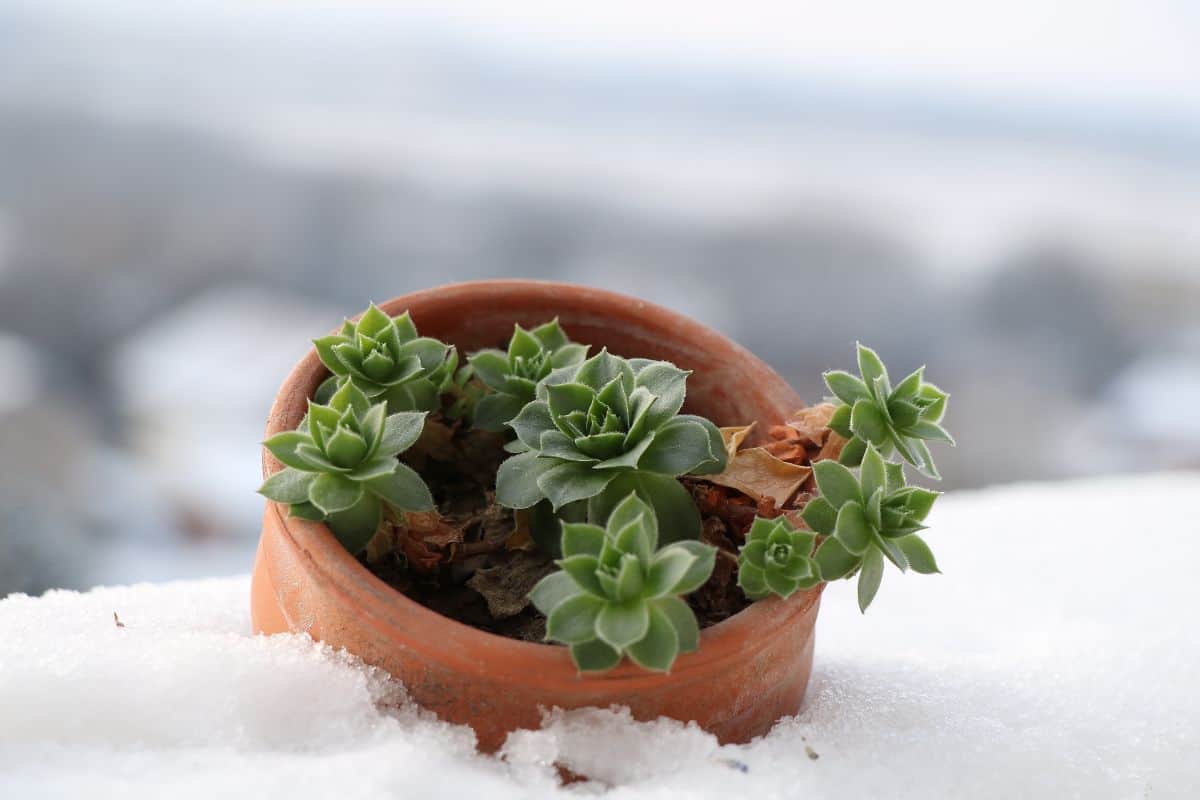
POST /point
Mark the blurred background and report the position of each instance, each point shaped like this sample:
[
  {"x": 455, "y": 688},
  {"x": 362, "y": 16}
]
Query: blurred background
[{"x": 190, "y": 191}]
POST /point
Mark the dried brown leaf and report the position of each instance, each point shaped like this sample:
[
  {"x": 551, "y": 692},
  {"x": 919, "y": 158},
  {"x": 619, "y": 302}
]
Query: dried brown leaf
[
  {"x": 812, "y": 423},
  {"x": 506, "y": 586},
  {"x": 760, "y": 475},
  {"x": 734, "y": 436},
  {"x": 427, "y": 539}
]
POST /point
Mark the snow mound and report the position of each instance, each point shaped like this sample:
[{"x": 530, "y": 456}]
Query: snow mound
[{"x": 1055, "y": 657}]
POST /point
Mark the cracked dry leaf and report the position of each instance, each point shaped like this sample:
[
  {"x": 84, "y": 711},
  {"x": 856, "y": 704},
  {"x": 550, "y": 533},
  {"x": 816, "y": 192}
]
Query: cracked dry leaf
[
  {"x": 505, "y": 587},
  {"x": 812, "y": 423},
  {"x": 806, "y": 437},
  {"x": 758, "y": 474},
  {"x": 427, "y": 539},
  {"x": 734, "y": 436}
]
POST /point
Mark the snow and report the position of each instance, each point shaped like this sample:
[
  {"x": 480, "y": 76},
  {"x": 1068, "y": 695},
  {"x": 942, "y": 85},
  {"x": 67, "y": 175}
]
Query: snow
[{"x": 1055, "y": 658}]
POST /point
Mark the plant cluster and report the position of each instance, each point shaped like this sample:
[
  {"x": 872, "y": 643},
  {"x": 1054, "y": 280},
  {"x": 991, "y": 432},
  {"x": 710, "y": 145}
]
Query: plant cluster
[
  {"x": 597, "y": 447},
  {"x": 618, "y": 593},
  {"x": 863, "y": 519}
]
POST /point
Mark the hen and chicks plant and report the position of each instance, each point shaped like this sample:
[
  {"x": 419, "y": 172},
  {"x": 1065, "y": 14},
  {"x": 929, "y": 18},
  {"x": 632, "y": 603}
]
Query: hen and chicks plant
[
  {"x": 340, "y": 465},
  {"x": 619, "y": 594},
  {"x": 512, "y": 376},
  {"x": 387, "y": 359},
  {"x": 871, "y": 412},
  {"x": 603, "y": 429},
  {"x": 599, "y": 447}
]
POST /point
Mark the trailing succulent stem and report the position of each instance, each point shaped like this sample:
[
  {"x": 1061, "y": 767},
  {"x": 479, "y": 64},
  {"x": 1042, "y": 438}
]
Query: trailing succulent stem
[
  {"x": 619, "y": 594},
  {"x": 602, "y": 429},
  {"x": 340, "y": 465},
  {"x": 386, "y": 358},
  {"x": 868, "y": 518},
  {"x": 776, "y": 559},
  {"x": 900, "y": 419},
  {"x": 513, "y": 376}
]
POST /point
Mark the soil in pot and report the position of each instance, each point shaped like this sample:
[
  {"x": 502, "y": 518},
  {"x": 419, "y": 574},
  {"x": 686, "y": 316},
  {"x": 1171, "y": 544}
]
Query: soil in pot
[{"x": 475, "y": 562}]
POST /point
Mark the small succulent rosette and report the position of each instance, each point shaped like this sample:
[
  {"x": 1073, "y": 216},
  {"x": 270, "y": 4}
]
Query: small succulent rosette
[
  {"x": 619, "y": 594},
  {"x": 776, "y": 559},
  {"x": 867, "y": 519},
  {"x": 513, "y": 376},
  {"x": 871, "y": 412},
  {"x": 340, "y": 465},
  {"x": 386, "y": 358}
]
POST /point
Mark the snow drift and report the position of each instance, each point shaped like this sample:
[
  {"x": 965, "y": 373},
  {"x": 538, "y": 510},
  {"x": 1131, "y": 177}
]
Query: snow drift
[{"x": 1055, "y": 657}]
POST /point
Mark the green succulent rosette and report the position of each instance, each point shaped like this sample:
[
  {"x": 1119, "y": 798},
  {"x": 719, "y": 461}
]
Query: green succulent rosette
[
  {"x": 340, "y": 465},
  {"x": 868, "y": 519},
  {"x": 872, "y": 412},
  {"x": 603, "y": 429},
  {"x": 619, "y": 594},
  {"x": 776, "y": 559},
  {"x": 513, "y": 376},
  {"x": 386, "y": 358}
]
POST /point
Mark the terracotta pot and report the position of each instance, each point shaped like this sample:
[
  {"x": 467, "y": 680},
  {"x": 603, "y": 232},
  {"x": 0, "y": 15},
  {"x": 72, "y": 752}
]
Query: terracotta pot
[{"x": 750, "y": 670}]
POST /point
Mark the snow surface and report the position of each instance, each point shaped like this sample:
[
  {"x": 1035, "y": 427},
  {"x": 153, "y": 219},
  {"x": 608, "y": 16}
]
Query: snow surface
[{"x": 1056, "y": 657}]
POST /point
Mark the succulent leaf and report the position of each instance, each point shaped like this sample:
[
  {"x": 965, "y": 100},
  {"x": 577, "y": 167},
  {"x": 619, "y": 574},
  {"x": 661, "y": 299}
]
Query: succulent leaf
[
  {"x": 658, "y": 647},
  {"x": 289, "y": 485},
  {"x": 680, "y": 615},
  {"x": 616, "y": 594},
  {"x": 594, "y": 656},
  {"x": 869, "y": 577}
]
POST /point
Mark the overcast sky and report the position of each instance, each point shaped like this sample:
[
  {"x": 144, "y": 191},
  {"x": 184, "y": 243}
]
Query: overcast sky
[{"x": 1105, "y": 52}]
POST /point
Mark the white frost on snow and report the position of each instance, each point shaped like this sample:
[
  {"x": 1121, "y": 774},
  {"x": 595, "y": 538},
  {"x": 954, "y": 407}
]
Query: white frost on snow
[{"x": 1056, "y": 657}]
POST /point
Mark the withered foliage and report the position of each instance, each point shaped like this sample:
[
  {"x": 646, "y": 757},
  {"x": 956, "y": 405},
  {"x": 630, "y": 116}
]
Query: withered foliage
[{"x": 770, "y": 480}]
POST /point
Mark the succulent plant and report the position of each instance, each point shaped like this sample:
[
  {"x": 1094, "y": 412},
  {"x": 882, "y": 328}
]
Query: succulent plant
[
  {"x": 513, "y": 376},
  {"x": 386, "y": 358},
  {"x": 868, "y": 518},
  {"x": 872, "y": 412},
  {"x": 340, "y": 465},
  {"x": 461, "y": 391},
  {"x": 776, "y": 559},
  {"x": 607, "y": 427},
  {"x": 619, "y": 594}
]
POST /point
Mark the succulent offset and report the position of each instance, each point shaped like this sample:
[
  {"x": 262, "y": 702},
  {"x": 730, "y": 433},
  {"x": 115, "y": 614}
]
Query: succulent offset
[
  {"x": 619, "y": 594},
  {"x": 776, "y": 559},
  {"x": 513, "y": 375},
  {"x": 386, "y": 358},
  {"x": 607, "y": 427},
  {"x": 872, "y": 412},
  {"x": 868, "y": 518},
  {"x": 340, "y": 465}
]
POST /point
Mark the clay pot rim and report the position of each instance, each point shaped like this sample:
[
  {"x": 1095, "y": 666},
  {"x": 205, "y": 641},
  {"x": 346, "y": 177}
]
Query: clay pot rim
[{"x": 334, "y": 566}]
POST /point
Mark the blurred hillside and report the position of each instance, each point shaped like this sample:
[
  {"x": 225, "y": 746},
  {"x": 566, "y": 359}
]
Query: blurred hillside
[{"x": 187, "y": 197}]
